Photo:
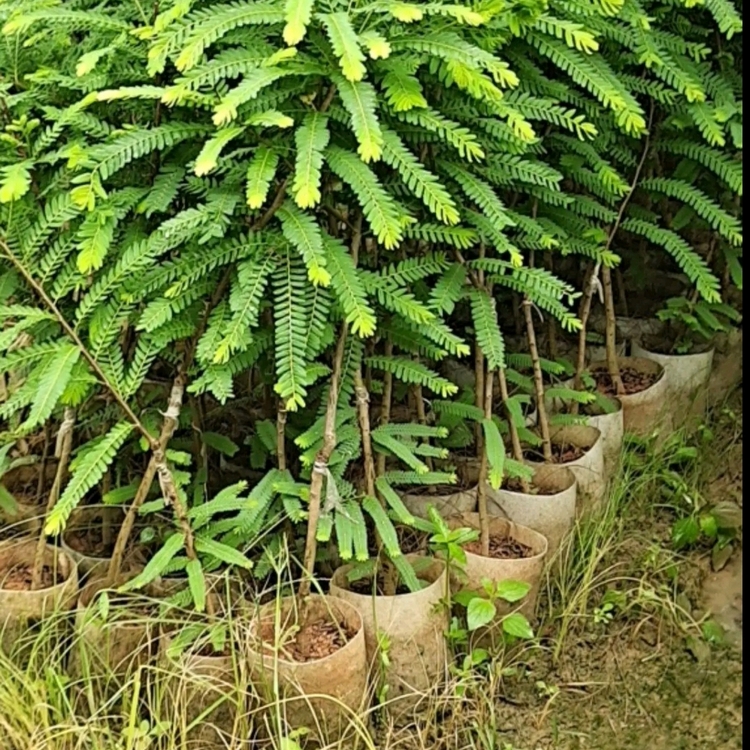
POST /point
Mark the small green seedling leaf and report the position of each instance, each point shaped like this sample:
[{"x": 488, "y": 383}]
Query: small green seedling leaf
[
  {"x": 518, "y": 626},
  {"x": 512, "y": 591},
  {"x": 479, "y": 613}
]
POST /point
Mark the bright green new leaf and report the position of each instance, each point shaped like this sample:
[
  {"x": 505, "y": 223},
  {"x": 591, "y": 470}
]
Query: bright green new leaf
[
  {"x": 15, "y": 181},
  {"x": 197, "y": 584},
  {"x": 311, "y": 139},
  {"x": 518, "y": 626},
  {"x": 208, "y": 158},
  {"x": 345, "y": 45},
  {"x": 495, "y": 449},
  {"x": 479, "y": 613}
]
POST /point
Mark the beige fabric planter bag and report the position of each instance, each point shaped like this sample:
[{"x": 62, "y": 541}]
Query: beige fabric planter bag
[
  {"x": 325, "y": 694},
  {"x": 645, "y": 411},
  {"x": 415, "y": 626},
  {"x": 551, "y": 510},
  {"x": 687, "y": 378},
  {"x": 463, "y": 501}
]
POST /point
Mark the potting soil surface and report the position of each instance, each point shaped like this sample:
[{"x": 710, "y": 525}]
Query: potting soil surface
[
  {"x": 316, "y": 640},
  {"x": 90, "y": 542},
  {"x": 633, "y": 381},
  {"x": 18, "y": 578},
  {"x": 561, "y": 454},
  {"x": 364, "y": 586},
  {"x": 502, "y": 547}
]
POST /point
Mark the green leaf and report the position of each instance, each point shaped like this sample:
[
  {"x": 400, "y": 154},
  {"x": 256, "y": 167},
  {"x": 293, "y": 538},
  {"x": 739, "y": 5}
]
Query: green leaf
[
  {"x": 685, "y": 532},
  {"x": 304, "y": 234},
  {"x": 479, "y": 613},
  {"x": 157, "y": 564},
  {"x": 512, "y": 591},
  {"x": 297, "y": 14},
  {"x": 311, "y": 139},
  {"x": 222, "y": 552},
  {"x": 360, "y": 101},
  {"x": 220, "y": 443},
  {"x": 495, "y": 449},
  {"x": 518, "y": 626},
  {"x": 52, "y": 383},
  {"x": 260, "y": 172},
  {"x": 208, "y": 158},
  {"x": 91, "y": 462},
  {"x": 197, "y": 584},
  {"x": 345, "y": 45},
  {"x": 15, "y": 181}
]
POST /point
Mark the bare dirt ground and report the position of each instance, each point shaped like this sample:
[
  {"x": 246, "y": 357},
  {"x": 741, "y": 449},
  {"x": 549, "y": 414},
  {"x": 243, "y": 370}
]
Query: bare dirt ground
[{"x": 633, "y": 683}]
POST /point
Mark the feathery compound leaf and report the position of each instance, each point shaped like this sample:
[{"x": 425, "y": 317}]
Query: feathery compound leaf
[
  {"x": 15, "y": 181},
  {"x": 252, "y": 84},
  {"x": 495, "y": 449},
  {"x": 204, "y": 27},
  {"x": 311, "y": 139},
  {"x": 486, "y": 328},
  {"x": 197, "y": 584},
  {"x": 383, "y": 526},
  {"x": 409, "y": 371},
  {"x": 52, "y": 383},
  {"x": 394, "y": 501},
  {"x": 260, "y": 172},
  {"x": 419, "y": 180},
  {"x": 95, "y": 235},
  {"x": 222, "y": 552},
  {"x": 244, "y": 302},
  {"x": 208, "y": 158},
  {"x": 345, "y": 45},
  {"x": 379, "y": 208},
  {"x": 297, "y": 14},
  {"x": 448, "y": 289},
  {"x": 690, "y": 262},
  {"x": 482, "y": 194},
  {"x": 360, "y": 101},
  {"x": 403, "y": 90},
  {"x": 157, "y": 565},
  {"x": 722, "y": 221},
  {"x": 92, "y": 461},
  {"x": 304, "y": 234},
  {"x": 348, "y": 287},
  {"x": 291, "y": 326}
]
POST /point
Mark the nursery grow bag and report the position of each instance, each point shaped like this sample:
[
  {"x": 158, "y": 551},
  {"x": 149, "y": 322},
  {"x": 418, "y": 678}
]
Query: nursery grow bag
[
  {"x": 321, "y": 694},
  {"x": 687, "y": 378},
  {"x": 415, "y": 624},
  {"x": 551, "y": 510},
  {"x": 588, "y": 468},
  {"x": 21, "y": 608},
  {"x": 525, "y": 569},
  {"x": 462, "y": 501},
  {"x": 116, "y": 641},
  {"x": 646, "y": 410},
  {"x": 108, "y": 519}
]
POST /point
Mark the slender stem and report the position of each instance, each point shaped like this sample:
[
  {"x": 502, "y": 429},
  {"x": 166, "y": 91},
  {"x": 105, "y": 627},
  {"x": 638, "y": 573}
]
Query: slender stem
[
  {"x": 538, "y": 381},
  {"x": 65, "y": 438},
  {"x": 320, "y": 468},
  {"x": 609, "y": 304},
  {"x": 588, "y": 296},
  {"x": 484, "y": 519},
  {"x": 515, "y": 441},
  {"x": 385, "y": 409},
  {"x": 422, "y": 418},
  {"x": 611, "y": 332},
  {"x": 281, "y": 436},
  {"x": 171, "y": 417},
  {"x": 39, "y": 289}
]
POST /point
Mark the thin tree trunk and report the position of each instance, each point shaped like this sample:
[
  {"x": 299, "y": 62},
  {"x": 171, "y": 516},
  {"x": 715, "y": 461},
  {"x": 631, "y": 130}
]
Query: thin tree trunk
[
  {"x": 610, "y": 332},
  {"x": 171, "y": 416},
  {"x": 588, "y": 297},
  {"x": 484, "y": 520},
  {"x": 281, "y": 437},
  {"x": 320, "y": 468},
  {"x": 515, "y": 441},
  {"x": 538, "y": 382},
  {"x": 385, "y": 409},
  {"x": 65, "y": 441}
]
